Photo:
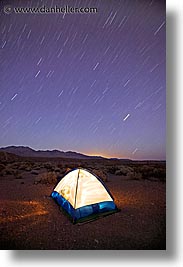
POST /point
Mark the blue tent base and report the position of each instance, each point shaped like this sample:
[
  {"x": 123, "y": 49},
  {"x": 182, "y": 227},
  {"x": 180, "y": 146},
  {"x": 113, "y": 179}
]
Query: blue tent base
[
  {"x": 94, "y": 217},
  {"x": 86, "y": 213},
  {"x": 90, "y": 218}
]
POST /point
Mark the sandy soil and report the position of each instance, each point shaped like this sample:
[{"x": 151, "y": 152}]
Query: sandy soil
[{"x": 30, "y": 219}]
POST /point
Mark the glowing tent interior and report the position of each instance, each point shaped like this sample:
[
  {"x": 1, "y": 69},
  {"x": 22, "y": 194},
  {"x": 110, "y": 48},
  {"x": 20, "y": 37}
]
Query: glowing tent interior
[{"x": 83, "y": 196}]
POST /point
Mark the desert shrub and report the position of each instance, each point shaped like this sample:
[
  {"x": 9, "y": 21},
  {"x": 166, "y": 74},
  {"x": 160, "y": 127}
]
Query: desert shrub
[
  {"x": 124, "y": 170},
  {"x": 104, "y": 170},
  {"x": 130, "y": 175},
  {"x": 31, "y": 164},
  {"x": 113, "y": 169},
  {"x": 2, "y": 167},
  {"x": 120, "y": 172},
  {"x": 60, "y": 165},
  {"x": 149, "y": 172},
  {"x": 34, "y": 172},
  {"x": 160, "y": 173},
  {"x": 146, "y": 171},
  {"x": 37, "y": 168},
  {"x": 66, "y": 166},
  {"x": 9, "y": 171},
  {"x": 17, "y": 175},
  {"x": 15, "y": 165},
  {"x": 46, "y": 178},
  {"x": 28, "y": 169},
  {"x": 22, "y": 167},
  {"x": 2, "y": 173},
  {"x": 49, "y": 166},
  {"x": 57, "y": 170},
  {"x": 136, "y": 176}
]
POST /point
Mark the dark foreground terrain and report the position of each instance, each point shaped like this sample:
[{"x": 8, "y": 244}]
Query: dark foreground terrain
[{"x": 30, "y": 219}]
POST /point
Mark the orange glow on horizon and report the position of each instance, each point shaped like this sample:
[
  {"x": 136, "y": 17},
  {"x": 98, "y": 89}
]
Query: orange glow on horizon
[{"x": 104, "y": 154}]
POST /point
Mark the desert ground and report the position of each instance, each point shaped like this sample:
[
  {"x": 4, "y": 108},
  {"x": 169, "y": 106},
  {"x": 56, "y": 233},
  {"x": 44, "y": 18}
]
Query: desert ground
[{"x": 30, "y": 219}]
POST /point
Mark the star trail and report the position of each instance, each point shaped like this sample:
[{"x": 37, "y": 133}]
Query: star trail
[{"x": 92, "y": 83}]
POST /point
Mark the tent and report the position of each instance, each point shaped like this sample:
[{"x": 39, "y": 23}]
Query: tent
[{"x": 83, "y": 196}]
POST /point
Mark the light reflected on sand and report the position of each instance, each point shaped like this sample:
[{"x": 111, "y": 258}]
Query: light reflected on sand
[{"x": 20, "y": 210}]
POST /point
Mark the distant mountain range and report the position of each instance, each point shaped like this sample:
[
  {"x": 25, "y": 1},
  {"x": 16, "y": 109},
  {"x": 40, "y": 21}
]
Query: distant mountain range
[
  {"x": 25, "y": 151},
  {"x": 29, "y": 152}
]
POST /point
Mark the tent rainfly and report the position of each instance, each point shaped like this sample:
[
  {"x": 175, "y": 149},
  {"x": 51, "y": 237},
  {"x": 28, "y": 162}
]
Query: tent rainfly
[{"x": 83, "y": 196}]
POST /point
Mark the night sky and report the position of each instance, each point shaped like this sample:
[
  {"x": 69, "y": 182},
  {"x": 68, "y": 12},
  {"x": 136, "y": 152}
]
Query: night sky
[{"x": 92, "y": 83}]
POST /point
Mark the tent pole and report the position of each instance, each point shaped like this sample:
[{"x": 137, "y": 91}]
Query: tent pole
[{"x": 76, "y": 191}]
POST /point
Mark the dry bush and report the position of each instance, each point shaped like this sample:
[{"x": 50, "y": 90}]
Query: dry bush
[
  {"x": 2, "y": 167},
  {"x": 28, "y": 169},
  {"x": 37, "y": 168},
  {"x": 160, "y": 173},
  {"x": 23, "y": 167},
  {"x": 151, "y": 172},
  {"x": 113, "y": 169},
  {"x": 124, "y": 170},
  {"x": 46, "y": 178},
  {"x": 17, "y": 175},
  {"x": 147, "y": 171},
  {"x": 120, "y": 172},
  {"x": 136, "y": 175},
  {"x": 9, "y": 171},
  {"x": 2, "y": 173},
  {"x": 49, "y": 166},
  {"x": 30, "y": 165},
  {"x": 57, "y": 170},
  {"x": 34, "y": 172},
  {"x": 130, "y": 175},
  {"x": 60, "y": 165}
]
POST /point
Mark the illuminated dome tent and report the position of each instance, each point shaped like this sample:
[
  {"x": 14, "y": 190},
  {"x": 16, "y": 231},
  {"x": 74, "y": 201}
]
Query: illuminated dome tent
[{"x": 83, "y": 196}]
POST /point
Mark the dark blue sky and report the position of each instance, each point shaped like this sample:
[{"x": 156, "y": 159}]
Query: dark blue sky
[{"x": 92, "y": 83}]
